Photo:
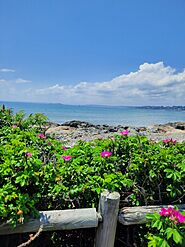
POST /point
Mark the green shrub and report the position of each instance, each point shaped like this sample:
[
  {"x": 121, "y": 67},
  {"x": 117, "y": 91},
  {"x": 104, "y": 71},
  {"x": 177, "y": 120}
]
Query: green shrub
[{"x": 37, "y": 172}]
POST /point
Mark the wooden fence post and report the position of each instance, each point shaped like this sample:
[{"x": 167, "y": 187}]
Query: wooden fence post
[{"x": 108, "y": 208}]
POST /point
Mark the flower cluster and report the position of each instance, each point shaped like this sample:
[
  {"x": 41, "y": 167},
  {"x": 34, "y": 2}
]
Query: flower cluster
[
  {"x": 173, "y": 215},
  {"x": 42, "y": 136},
  {"x": 168, "y": 140}
]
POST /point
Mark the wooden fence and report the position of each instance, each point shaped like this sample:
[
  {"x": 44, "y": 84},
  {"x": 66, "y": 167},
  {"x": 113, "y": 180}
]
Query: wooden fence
[{"x": 105, "y": 220}]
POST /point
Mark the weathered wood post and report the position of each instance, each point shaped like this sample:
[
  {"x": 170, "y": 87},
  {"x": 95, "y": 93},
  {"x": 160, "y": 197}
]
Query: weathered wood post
[{"x": 108, "y": 208}]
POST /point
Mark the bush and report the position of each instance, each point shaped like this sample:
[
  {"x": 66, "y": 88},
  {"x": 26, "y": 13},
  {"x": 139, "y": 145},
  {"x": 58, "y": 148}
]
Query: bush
[{"x": 37, "y": 172}]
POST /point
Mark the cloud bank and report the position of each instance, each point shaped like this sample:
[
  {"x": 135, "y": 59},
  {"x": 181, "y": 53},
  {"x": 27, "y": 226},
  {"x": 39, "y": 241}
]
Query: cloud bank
[{"x": 151, "y": 84}]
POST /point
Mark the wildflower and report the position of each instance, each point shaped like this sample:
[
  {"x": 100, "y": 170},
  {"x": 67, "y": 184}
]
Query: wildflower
[
  {"x": 14, "y": 126},
  {"x": 65, "y": 148},
  {"x": 180, "y": 217},
  {"x": 27, "y": 154},
  {"x": 106, "y": 154},
  {"x": 125, "y": 132},
  {"x": 42, "y": 136},
  {"x": 164, "y": 212},
  {"x": 174, "y": 215},
  {"x": 166, "y": 140},
  {"x": 67, "y": 157}
]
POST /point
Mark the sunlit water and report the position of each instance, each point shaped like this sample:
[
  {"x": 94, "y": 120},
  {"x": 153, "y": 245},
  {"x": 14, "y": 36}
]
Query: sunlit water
[{"x": 112, "y": 115}]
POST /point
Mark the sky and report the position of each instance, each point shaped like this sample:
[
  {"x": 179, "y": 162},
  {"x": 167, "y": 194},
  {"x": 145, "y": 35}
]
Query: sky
[{"x": 110, "y": 52}]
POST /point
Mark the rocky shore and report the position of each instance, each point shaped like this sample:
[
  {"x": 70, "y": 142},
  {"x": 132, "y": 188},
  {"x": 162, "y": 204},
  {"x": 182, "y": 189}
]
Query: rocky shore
[{"x": 70, "y": 132}]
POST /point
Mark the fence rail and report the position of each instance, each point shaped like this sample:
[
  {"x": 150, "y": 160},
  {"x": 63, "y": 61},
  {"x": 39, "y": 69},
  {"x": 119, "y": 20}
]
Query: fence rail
[
  {"x": 105, "y": 220},
  {"x": 56, "y": 220},
  {"x": 137, "y": 215}
]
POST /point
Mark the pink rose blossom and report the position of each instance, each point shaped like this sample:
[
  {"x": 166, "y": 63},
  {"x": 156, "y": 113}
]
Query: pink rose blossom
[
  {"x": 125, "y": 132},
  {"x": 63, "y": 147},
  {"x": 166, "y": 140},
  {"x": 67, "y": 157},
  {"x": 28, "y": 154},
  {"x": 106, "y": 154},
  {"x": 169, "y": 140},
  {"x": 174, "y": 215},
  {"x": 180, "y": 217},
  {"x": 14, "y": 126},
  {"x": 165, "y": 212},
  {"x": 42, "y": 136}
]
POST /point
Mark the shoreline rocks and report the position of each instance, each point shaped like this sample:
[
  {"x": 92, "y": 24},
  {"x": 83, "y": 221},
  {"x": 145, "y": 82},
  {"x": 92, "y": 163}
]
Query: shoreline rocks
[{"x": 72, "y": 131}]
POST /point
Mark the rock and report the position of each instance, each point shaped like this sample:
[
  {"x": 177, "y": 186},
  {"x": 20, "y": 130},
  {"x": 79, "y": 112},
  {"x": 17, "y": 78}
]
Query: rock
[
  {"x": 112, "y": 129},
  {"x": 180, "y": 127},
  {"x": 77, "y": 124},
  {"x": 71, "y": 132}
]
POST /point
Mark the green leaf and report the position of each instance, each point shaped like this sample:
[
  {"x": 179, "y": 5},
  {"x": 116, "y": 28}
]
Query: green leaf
[
  {"x": 165, "y": 244},
  {"x": 169, "y": 232},
  {"x": 177, "y": 237}
]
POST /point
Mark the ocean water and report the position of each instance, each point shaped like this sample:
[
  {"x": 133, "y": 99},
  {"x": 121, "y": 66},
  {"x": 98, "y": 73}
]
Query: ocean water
[{"x": 111, "y": 115}]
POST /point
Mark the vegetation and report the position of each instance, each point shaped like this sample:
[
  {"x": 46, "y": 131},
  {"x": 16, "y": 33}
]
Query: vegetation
[
  {"x": 168, "y": 228},
  {"x": 37, "y": 172}
]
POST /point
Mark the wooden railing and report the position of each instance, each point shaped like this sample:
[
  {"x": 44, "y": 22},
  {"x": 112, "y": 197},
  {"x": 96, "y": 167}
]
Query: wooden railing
[{"x": 105, "y": 220}]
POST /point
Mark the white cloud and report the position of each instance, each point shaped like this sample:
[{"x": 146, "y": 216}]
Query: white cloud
[
  {"x": 2, "y": 81},
  {"x": 7, "y": 70},
  {"x": 150, "y": 84},
  {"x": 20, "y": 80},
  {"x": 56, "y": 89}
]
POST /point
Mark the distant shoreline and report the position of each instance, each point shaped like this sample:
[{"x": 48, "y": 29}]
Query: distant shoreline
[
  {"x": 111, "y": 115},
  {"x": 175, "y": 107}
]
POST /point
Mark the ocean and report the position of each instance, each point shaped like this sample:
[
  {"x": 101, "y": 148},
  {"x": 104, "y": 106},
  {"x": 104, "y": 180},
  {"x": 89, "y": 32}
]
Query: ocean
[{"x": 111, "y": 115}]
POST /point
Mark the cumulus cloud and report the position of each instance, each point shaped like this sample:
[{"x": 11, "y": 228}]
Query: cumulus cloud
[
  {"x": 20, "y": 80},
  {"x": 2, "y": 81},
  {"x": 7, "y": 70},
  {"x": 150, "y": 84}
]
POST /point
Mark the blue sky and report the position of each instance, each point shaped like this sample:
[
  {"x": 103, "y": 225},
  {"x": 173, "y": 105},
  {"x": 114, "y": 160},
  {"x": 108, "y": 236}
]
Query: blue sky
[{"x": 123, "y": 52}]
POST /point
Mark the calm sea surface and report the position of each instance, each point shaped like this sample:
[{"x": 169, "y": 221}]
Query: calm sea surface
[{"x": 112, "y": 115}]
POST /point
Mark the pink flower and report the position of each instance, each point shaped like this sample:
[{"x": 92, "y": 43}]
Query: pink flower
[
  {"x": 14, "y": 126},
  {"x": 180, "y": 217},
  {"x": 42, "y": 136},
  {"x": 125, "y": 132},
  {"x": 164, "y": 212},
  {"x": 67, "y": 157},
  {"x": 63, "y": 147},
  {"x": 169, "y": 140},
  {"x": 174, "y": 215},
  {"x": 166, "y": 140},
  {"x": 106, "y": 154},
  {"x": 27, "y": 154}
]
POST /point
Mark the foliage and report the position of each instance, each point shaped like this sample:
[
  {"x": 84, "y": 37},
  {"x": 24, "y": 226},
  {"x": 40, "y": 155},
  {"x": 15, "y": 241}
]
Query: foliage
[
  {"x": 37, "y": 172},
  {"x": 169, "y": 228}
]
